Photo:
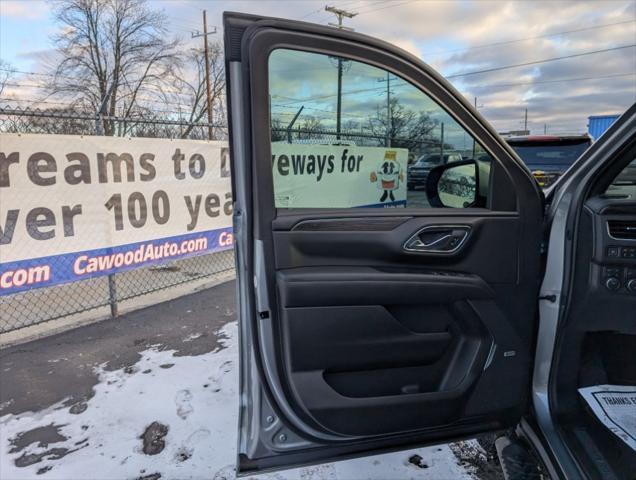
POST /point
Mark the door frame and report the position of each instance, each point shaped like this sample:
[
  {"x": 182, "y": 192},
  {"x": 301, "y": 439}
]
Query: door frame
[
  {"x": 252, "y": 177},
  {"x": 567, "y": 197}
]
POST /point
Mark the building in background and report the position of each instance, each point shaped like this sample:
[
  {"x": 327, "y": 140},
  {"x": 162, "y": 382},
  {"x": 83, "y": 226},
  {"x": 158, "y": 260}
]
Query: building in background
[{"x": 597, "y": 124}]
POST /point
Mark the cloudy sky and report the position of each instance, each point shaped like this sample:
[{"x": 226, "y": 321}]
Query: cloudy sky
[{"x": 455, "y": 37}]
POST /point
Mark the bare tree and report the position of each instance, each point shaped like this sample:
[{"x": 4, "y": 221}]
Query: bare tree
[
  {"x": 311, "y": 127},
  {"x": 113, "y": 50},
  {"x": 6, "y": 73},
  {"x": 404, "y": 127},
  {"x": 190, "y": 90},
  {"x": 277, "y": 130}
]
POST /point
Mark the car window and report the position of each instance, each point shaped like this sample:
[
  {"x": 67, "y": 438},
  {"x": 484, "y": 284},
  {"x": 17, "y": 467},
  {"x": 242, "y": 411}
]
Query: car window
[
  {"x": 538, "y": 153},
  {"x": 346, "y": 134},
  {"x": 625, "y": 182}
]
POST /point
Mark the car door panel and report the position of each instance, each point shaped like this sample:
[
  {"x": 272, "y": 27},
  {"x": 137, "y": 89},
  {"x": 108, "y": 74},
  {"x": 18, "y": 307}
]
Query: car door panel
[
  {"x": 355, "y": 343},
  {"x": 490, "y": 237},
  {"x": 374, "y": 332}
]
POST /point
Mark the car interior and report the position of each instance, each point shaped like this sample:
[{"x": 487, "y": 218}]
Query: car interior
[{"x": 597, "y": 338}]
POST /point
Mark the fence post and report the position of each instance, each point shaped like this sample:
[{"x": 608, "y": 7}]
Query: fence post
[
  {"x": 112, "y": 287},
  {"x": 291, "y": 124},
  {"x": 441, "y": 146}
]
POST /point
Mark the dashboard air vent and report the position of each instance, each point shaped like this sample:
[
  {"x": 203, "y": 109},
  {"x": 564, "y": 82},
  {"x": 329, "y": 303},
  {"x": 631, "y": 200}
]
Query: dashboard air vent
[{"x": 622, "y": 229}]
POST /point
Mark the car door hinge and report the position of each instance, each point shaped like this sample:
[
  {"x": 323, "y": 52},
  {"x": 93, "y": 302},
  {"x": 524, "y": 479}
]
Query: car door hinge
[{"x": 549, "y": 298}]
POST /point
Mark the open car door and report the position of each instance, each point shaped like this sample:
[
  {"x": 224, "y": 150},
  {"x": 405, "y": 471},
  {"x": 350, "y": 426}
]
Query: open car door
[{"x": 372, "y": 317}]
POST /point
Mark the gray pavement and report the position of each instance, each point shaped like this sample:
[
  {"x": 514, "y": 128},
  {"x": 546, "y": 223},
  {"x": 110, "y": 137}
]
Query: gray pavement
[{"x": 38, "y": 374}]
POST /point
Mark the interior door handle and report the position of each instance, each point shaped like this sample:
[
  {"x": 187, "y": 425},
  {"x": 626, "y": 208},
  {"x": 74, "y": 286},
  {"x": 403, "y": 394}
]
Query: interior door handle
[{"x": 438, "y": 239}]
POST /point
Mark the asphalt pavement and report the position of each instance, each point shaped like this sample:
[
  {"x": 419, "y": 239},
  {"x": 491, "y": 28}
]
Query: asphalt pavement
[{"x": 38, "y": 374}]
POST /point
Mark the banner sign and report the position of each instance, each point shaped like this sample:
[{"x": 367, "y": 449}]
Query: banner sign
[
  {"x": 338, "y": 176},
  {"x": 75, "y": 207}
]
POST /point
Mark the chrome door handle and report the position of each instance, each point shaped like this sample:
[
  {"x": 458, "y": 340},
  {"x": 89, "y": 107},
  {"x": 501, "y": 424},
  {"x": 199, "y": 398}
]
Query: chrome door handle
[
  {"x": 445, "y": 239},
  {"x": 418, "y": 243}
]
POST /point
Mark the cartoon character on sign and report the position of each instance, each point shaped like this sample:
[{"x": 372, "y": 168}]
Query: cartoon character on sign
[{"x": 388, "y": 174}]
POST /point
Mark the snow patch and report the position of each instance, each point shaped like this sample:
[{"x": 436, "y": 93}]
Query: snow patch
[{"x": 197, "y": 400}]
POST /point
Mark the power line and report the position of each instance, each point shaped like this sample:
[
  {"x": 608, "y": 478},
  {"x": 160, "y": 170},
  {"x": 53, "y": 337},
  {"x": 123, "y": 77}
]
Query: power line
[
  {"x": 508, "y": 42},
  {"x": 403, "y": 83},
  {"x": 391, "y": 5},
  {"x": 317, "y": 109},
  {"x": 293, "y": 101},
  {"x": 536, "y": 62},
  {"x": 562, "y": 80},
  {"x": 313, "y": 12},
  {"x": 398, "y": 83}
]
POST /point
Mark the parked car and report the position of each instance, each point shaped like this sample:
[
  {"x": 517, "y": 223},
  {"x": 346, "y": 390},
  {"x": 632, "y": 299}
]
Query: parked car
[
  {"x": 548, "y": 156},
  {"x": 364, "y": 331},
  {"x": 417, "y": 172}
]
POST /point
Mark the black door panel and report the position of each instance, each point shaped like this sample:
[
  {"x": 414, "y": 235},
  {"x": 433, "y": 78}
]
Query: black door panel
[
  {"x": 376, "y": 367},
  {"x": 400, "y": 343},
  {"x": 326, "y": 286},
  {"x": 490, "y": 238}
]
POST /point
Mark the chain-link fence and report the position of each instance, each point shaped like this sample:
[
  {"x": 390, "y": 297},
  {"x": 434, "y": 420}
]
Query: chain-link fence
[
  {"x": 71, "y": 122},
  {"x": 431, "y": 141},
  {"x": 416, "y": 146},
  {"x": 34, "y": 306}
]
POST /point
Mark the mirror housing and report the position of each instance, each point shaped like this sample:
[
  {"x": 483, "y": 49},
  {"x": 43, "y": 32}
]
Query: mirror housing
[{"x": 455, "y": 185}]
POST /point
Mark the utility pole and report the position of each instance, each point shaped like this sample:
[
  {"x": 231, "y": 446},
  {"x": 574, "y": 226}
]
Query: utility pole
[
  {"x": 99, "y": 130},
  {"x": 525, "y": 121},
  {"x": 291, "y": 124},
  {"x": 474, "y": 144},
  {"x": 387, "y": 139},
  {"x": 340, "y": 14},
  {"x": 207, "y": 69}
]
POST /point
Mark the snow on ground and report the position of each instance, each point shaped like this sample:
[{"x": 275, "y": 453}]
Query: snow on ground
[{"x": 196, "y": 398}]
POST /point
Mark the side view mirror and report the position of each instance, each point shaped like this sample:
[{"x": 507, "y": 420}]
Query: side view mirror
[{"x": 454, "y": 185}]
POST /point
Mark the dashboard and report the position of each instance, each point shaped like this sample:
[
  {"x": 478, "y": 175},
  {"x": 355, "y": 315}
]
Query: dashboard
[{"x": 613, "y": 266}]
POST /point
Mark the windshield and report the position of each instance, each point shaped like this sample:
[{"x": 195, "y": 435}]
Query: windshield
[{"x": 549, "y": 152}]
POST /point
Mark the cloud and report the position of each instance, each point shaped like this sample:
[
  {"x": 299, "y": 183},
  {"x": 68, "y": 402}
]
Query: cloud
[
  {"x": 21, "y": 10},
  {"x": 451, "y": 36},
  {"x": 565, "y": 105},
  {"x": 456, "y": 37}
]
